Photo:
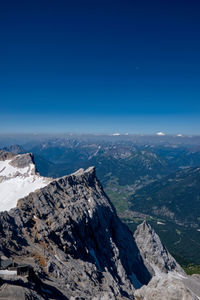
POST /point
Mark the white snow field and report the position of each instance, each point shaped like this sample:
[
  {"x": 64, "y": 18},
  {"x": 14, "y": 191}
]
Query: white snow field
[{"x": 16, "y": 183}]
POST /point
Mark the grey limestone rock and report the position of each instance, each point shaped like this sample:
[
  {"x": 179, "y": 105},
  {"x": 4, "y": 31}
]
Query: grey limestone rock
[
  {"x": 4, "y": 155},
  {"x": 169, "y": 281},
  {"x": 166, "y": 287},
  {"x": 155, "y": 255},
  {"x": 72, "y": 231},
  {"x": 22, "y": 160}
]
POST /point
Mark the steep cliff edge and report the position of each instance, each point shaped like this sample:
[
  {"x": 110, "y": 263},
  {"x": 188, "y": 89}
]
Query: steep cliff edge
[
  {"x": 72, "y": 231},
  {"x": 155, "y": 255},
  {"x": 169, "y": 281}
]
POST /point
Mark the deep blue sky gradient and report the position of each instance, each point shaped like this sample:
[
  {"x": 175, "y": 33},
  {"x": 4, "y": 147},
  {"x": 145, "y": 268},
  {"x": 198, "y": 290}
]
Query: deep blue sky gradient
[{"x": 86, "y": 66}]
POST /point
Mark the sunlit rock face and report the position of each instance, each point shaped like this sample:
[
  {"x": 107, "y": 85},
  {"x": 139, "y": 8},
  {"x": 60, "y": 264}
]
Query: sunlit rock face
[
  {"x": 169, "y": 281},
  {"x": 157, "y": 258},
  {"x": 72, "y": 231}
]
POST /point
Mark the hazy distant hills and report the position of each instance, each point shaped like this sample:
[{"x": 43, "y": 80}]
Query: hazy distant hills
[{"x": 127, "y": 162}]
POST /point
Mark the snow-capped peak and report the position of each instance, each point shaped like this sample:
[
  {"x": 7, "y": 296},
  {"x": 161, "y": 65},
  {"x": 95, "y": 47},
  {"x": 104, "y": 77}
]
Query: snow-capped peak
[
  {"x": 18, "y": 178},
  {"x": 160, "y": 133},
  {"x": 116, "y": 134}
]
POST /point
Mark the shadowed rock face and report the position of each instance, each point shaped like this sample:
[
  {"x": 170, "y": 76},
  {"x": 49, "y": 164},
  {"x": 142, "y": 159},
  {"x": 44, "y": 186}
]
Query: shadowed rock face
[{"x": 72, "y": 231}]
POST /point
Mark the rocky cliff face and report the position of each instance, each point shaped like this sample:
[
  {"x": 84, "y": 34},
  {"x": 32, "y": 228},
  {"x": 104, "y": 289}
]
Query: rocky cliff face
[
  {"x": 72, "y": 231},
  {"x": 169, "y": 281},
  {"x": 156, "y": 257},
  {"x": 68, "y": 231}
]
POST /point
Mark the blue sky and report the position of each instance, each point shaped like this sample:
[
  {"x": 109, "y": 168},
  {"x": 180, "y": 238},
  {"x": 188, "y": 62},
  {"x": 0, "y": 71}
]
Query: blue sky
[{"x": 100, "y": 66}]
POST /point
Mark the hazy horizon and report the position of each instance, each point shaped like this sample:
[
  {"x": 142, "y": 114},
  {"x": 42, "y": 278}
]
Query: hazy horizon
[{"x": 109, "y": 134}]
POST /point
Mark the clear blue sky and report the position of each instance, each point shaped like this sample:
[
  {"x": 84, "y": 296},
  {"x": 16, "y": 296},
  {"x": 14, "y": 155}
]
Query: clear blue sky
[{"x": 100, "y": 66}]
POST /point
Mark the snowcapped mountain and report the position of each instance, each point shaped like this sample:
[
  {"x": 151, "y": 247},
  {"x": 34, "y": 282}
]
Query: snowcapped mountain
[{"x": 18, "y": 178}]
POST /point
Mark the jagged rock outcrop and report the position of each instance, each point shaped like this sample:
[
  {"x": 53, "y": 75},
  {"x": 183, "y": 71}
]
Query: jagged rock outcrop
[
  {"x": 4, "y": 155},
  {"x": 166, "y": 287},
  {"x": 155, "y": 255},
  {"x": 22, "y": 161},
  {"x": 17, "y": 287},
  {"x": 72, "y": 231},
  {"x": 169, "y": 281}
]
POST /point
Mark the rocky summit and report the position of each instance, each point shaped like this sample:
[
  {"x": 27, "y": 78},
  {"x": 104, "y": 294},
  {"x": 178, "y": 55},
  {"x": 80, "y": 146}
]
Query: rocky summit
[
  {"x": 18, "y": 177},
  {"x": 169, "y": 281},
  {"x": 69, "y": 240}
]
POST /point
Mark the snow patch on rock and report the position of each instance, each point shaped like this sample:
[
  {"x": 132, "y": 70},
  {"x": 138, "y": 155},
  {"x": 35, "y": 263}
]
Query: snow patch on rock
[{"x": 17, "y": 182}]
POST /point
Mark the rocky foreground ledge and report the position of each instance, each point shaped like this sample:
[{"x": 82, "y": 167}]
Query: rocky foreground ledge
[{"x": 69, "y": 233}]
